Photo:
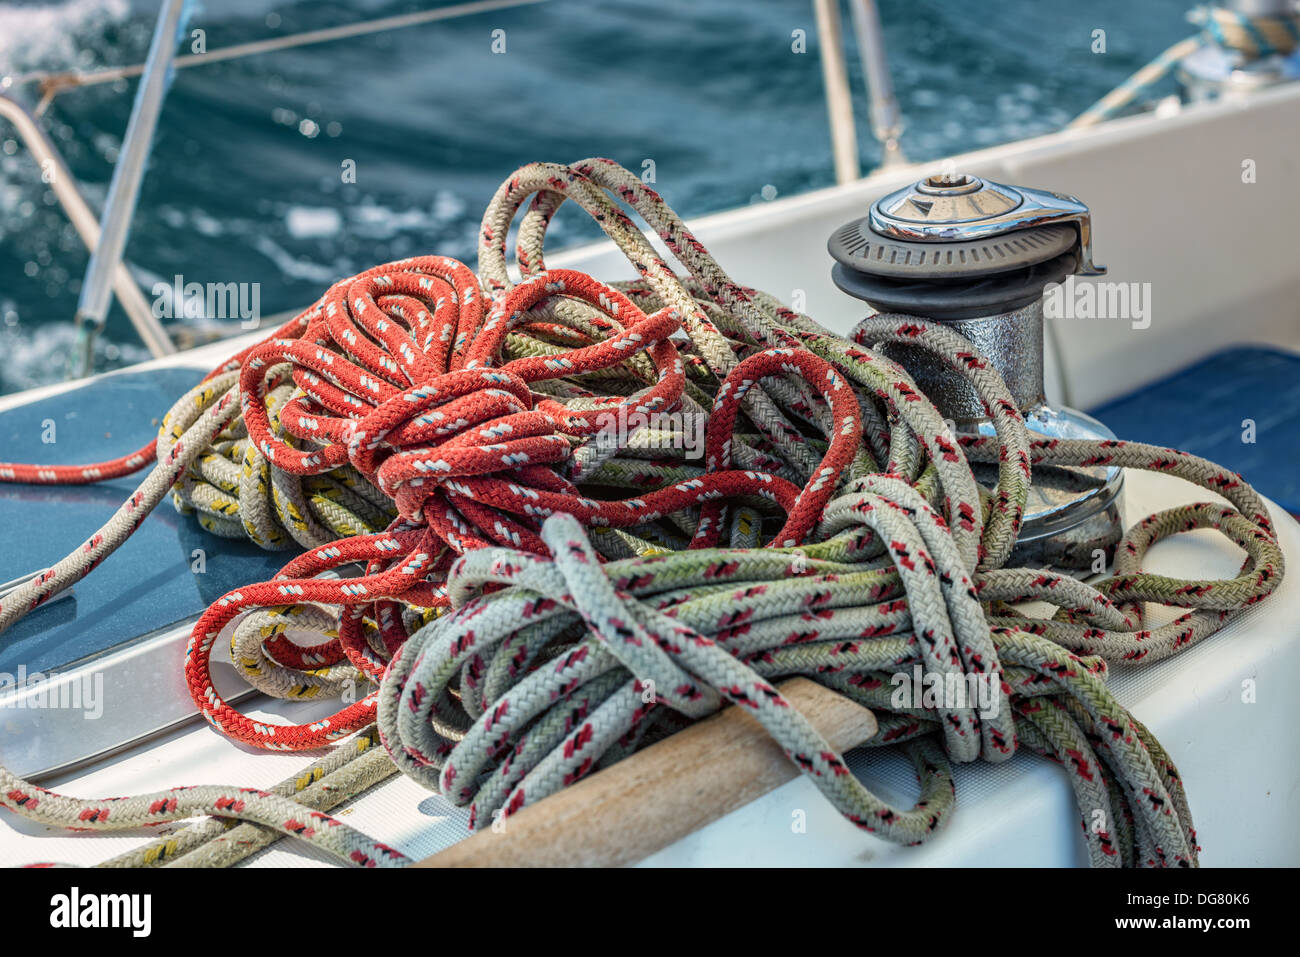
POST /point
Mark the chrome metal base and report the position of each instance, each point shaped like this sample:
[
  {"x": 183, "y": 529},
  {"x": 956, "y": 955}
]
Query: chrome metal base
[
  {"x": 1072, "y": 518},
  {"x": 1074, "y": 515},
  {"x": 1013, "y": 342}
]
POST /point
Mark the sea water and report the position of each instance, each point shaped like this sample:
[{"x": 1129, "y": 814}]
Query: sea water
[{"x": 719, "y": 101}]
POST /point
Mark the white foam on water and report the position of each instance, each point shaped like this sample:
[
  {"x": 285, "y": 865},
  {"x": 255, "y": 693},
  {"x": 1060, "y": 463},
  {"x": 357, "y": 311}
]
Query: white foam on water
[
  {"x": 38, "y": 355},
  {"x": 312, "y": 222},
  {"x": 52, "y": 36}
]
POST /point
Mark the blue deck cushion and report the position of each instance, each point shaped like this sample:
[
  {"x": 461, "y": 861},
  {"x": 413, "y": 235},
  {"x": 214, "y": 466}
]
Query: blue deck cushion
[
  {"x": 147, "y": 584},
  {"x": 1207, "y": 410}
]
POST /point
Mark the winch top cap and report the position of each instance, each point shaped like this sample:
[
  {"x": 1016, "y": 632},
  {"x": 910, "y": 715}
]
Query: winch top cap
[
  {"x": 954, "y": 226},
  {"x": 946, "y": 200}
]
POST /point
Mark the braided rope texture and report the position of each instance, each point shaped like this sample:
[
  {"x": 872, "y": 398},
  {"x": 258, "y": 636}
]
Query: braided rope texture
[{"x": 536, "y": 596}]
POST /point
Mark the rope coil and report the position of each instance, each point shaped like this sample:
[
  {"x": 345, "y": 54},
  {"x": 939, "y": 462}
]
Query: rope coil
[{"x": 534, "y": 591}]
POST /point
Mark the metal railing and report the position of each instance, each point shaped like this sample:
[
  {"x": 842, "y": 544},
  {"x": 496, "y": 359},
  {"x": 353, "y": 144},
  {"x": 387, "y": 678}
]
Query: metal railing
[
  {"x": 886, "y": 118},
  {"x": 106, "y": 243},
  {"x": 124, "y": 189}
]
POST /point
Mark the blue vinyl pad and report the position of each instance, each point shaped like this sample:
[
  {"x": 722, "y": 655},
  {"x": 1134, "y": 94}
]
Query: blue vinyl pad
[
  {"x": 147, "y": 584},
  {"x": 1204, "y": 410}
]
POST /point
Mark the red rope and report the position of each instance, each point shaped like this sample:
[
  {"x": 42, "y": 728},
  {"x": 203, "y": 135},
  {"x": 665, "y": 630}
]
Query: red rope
[{"x": 400, "y": 375}]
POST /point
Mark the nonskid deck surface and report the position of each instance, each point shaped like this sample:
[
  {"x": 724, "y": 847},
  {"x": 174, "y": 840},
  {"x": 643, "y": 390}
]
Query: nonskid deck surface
[{"x": 1211, "y": 706}]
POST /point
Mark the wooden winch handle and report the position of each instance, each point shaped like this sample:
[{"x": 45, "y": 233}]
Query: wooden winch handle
[{"x": 645, "y": 802}]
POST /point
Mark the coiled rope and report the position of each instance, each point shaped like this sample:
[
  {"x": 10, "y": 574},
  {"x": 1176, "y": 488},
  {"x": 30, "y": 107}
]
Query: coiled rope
[
  {"x": 525, "y": 624},
  {"x": 1254, "y": 37}
]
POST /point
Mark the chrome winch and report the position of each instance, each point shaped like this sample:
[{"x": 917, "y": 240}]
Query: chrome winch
[{"x": 976, "y": 256}]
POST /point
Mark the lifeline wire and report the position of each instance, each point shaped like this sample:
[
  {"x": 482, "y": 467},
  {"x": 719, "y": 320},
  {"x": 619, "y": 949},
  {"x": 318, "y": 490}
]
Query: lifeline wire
[{"x": 526, "y": 624}]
